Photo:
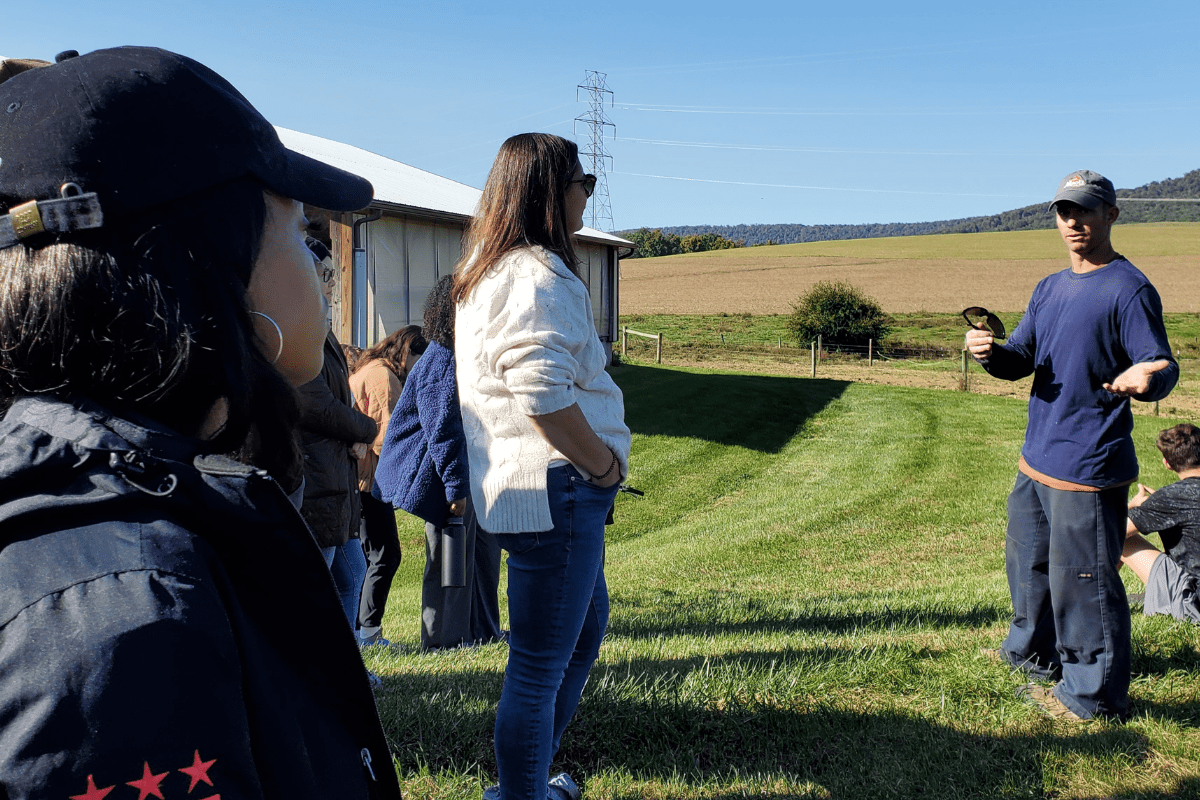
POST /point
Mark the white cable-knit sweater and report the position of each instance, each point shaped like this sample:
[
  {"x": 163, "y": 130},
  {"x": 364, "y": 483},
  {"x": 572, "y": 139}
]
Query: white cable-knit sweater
[{"x": 526, "y": 345}]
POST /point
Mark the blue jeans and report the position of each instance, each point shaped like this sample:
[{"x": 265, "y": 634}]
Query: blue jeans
[
  {"x": 1070, "y": 613},
  {"x": 348, "y": 566},
  {"x": 558, "y": 611}
]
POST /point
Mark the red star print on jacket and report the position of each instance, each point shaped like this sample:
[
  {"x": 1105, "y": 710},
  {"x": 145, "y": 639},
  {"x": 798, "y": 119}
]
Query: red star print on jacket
[
  {"x": 148, "y": 783},
  {"x": 92, "y": 792},
  {"x": 198, "y": 771}
]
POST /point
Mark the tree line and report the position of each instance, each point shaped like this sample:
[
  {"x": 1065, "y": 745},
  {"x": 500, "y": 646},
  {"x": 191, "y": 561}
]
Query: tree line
[{"x": 652, "y": 243}]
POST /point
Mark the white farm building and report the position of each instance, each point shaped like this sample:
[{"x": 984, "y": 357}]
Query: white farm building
[{"x": 412, "y": 236}]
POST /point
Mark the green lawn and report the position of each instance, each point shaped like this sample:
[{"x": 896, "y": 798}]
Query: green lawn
[{"x": 798, "y": 605}]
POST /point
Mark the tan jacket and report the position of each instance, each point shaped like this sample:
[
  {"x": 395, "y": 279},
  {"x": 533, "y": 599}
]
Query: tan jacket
[{"x": 376, "y": 391}]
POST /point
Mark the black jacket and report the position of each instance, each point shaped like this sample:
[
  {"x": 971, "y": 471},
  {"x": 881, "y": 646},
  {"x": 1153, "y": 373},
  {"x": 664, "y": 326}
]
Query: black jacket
[
  {"x": 167, "y": 622},
  {"x": 329, "y": 425}
]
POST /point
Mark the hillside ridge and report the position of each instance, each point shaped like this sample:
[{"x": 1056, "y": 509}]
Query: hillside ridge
[{"x": 1143, "y": 209}]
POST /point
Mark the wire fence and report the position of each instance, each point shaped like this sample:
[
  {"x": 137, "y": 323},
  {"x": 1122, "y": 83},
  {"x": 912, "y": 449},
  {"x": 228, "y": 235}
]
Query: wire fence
[
  {"x": 920, "y": 365},
  {"x": 873, "y": 350}
]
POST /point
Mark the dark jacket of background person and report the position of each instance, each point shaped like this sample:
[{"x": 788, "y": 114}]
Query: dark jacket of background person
[
  {"x": 423, "y": 466},
  {"x": 329, "y": 425},
  {"x": 157, "y": 552}
]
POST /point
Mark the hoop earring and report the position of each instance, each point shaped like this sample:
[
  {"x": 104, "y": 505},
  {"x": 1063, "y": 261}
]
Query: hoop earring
[{"x": 278, "y": 352}]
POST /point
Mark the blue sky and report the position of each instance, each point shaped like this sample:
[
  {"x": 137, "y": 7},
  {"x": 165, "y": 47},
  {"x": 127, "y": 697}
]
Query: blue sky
[{"x": 754, "y": 112}]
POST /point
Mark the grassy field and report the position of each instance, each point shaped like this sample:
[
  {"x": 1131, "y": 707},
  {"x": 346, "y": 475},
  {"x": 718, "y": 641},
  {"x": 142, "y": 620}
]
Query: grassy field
[
  {"x": 923, "y": 351},
  {"x": 798, "y": 605},
  {"x": 905, "y": 274},
  {"x": 912, "y": 329}
]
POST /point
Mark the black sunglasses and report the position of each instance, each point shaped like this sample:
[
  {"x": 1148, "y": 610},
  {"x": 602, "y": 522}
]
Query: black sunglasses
[
  {"x": 588, "y": 181},
  {"x": 981, "y": 319}
]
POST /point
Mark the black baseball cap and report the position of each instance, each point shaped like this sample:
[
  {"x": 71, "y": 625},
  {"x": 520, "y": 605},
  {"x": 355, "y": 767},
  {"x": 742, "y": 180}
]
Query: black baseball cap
[{"x": 139, "y": 127}]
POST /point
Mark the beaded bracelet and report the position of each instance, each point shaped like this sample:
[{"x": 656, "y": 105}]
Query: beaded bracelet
[{"x": 608, "y": 471}]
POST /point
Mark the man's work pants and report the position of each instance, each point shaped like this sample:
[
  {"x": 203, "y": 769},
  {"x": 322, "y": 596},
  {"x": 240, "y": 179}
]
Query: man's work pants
[{"x": 1070, "y": 612}]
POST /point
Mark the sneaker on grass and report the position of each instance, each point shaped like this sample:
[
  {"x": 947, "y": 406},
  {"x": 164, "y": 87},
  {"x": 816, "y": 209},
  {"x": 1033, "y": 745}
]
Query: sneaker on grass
[
  {"x": 374, "y": 640},
  {"x": 563, "y": 787},
  {"x": 560, "y": 787},
  {"x": 1043, "y": 697}
]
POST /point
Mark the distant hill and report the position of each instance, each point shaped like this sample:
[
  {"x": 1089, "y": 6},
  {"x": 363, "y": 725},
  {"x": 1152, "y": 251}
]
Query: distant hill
[{"x": 1140, "y": 208}]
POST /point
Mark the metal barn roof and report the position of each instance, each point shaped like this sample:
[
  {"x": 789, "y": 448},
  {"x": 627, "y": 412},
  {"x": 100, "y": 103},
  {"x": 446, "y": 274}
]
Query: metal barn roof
[{"x": 402, "y": 186}]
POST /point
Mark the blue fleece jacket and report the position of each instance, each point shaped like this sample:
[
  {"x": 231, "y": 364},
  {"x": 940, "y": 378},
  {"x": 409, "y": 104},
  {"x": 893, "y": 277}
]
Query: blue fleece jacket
[
  {"x": 423, "y": 463},
  {"x": 1079, "y": 332}
]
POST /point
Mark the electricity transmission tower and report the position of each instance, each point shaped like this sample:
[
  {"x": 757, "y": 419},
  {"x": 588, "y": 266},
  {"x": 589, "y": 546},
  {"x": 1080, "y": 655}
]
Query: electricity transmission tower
[{"x": 592, "y": 152}]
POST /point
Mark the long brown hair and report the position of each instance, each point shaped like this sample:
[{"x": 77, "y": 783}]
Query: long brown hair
[
  {"x": 392, "y": 349},
  {"x": 523, "y": 204}
]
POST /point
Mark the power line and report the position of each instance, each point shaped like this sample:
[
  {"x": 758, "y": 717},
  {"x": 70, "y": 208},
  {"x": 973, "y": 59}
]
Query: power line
[
  {"x": 659, "y": 108},
  {"x": 813, "y": 188},
  {"x": 865, "y": 190},
  {"x": 864, "y": 151},
  {"x": 593, "y": 149}
]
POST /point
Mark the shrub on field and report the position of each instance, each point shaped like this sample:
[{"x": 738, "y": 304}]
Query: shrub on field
[{"x": 839, "y": 313}]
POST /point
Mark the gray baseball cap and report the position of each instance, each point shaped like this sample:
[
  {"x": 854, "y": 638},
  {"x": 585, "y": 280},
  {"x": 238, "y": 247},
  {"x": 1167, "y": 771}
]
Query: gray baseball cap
[{"x": 1086, "y": 188}]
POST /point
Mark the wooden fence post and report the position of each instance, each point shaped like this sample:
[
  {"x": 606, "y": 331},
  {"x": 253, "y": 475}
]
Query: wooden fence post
[
  {"x": 870, "y": 352},
  {"x": 813, "y": 347},
  {"x": 965, "y": 387},
  {"x": 657, "y": 337},
  {"x": 779, "y": 344}
]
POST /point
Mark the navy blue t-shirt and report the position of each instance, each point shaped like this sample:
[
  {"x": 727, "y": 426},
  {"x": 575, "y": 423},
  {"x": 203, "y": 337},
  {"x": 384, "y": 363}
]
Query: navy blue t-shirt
[{"x": 1080, "y": 331}]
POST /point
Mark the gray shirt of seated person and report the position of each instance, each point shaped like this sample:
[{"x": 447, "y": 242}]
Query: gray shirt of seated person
[{"x": 1174, "y": 511}]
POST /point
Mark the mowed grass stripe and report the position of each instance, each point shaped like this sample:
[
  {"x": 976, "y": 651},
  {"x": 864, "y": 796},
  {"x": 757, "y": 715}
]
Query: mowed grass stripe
[{"x": 797, "y": 609}]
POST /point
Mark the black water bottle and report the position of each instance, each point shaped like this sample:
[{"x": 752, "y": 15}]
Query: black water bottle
[{"x": 454, "y": 553}]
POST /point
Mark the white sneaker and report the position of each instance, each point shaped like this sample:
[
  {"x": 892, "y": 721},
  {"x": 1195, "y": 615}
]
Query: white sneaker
[
  {"x": 561, "y": 787},
  {"x": 374, "y": 640}
]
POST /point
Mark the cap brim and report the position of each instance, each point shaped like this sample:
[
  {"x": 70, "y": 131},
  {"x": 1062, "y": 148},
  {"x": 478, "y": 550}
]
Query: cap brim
[
  {"x": 318, "y": 184},
  {"x": 1084, "y": 199}
]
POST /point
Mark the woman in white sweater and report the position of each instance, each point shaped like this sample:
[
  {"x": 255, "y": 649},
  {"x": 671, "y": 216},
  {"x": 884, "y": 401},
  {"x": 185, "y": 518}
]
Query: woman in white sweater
[{"x": 547, "y": 443}]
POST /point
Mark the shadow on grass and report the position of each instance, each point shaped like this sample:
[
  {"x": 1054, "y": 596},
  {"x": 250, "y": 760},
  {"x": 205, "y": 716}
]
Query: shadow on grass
[
  {"x": 1157, "y": 655},
  {"x": 760, "y": 412},
  {"x": 722, "y": 613},
  {"x": 848, "y": 754},
  {"x": 643, "y": 728},
  {"x": 1186, "y": 788}
]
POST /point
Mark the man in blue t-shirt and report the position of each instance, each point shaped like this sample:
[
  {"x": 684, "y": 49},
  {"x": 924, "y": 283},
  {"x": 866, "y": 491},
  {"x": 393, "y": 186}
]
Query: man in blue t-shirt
[{"x": 1092, "y": 336}]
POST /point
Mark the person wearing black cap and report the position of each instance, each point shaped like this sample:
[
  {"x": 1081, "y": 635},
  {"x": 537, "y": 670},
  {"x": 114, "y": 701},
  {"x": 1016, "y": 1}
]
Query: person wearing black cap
[
  {"x": 157, "y": 305},
  {"x": 1093, "y": 337}
]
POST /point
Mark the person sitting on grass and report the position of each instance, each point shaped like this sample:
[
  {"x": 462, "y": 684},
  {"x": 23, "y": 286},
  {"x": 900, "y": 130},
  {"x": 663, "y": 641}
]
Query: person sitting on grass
[{"x": 1174, "y": 512}]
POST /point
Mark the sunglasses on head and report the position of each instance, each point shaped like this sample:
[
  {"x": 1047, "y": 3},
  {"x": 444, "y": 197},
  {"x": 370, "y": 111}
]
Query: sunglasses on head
[
  {"x": 981, "y": 319},
  {"x": 588, "y": 181}
]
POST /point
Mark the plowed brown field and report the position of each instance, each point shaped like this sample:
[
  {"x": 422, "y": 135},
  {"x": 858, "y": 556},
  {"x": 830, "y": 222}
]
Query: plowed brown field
[{"x": 926, "y": 273}]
